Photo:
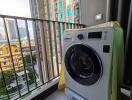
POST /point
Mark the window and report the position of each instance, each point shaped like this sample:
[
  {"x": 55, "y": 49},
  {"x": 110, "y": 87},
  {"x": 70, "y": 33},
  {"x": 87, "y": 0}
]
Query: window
[
  {"x": 16, "y": 50},
  {"x": 76, "y": 12},
  {"x": 4, "y": 62},
  {"x": 69, "y": 12},
  {"x": 61, "y": 15},
  {"x": 0, "y": 51},
  {"x": 60, "y": 5},
  {"x": 61, "y": 26},
  {"x": 6, "y": 49}
]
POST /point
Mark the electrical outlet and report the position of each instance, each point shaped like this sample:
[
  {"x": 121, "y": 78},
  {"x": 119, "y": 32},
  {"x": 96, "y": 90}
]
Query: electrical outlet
[{"x": 99, "y": 17}]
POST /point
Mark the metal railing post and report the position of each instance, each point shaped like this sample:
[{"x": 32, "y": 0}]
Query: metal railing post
[{"x": 18, "y": 35}]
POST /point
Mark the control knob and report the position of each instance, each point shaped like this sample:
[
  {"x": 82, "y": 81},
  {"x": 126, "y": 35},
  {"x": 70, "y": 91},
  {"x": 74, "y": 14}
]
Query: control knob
[{"x": 80, "y": 36}]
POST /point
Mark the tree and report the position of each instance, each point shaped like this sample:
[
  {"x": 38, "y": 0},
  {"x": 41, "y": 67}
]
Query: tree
[{"x": 28, "y": 58}]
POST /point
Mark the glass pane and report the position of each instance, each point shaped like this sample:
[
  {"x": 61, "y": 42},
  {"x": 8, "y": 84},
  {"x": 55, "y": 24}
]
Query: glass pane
[
  {"x": 69, "y": 12},
  {"x": 60, "y": 5},
  {"x": 61, "y": 15}
]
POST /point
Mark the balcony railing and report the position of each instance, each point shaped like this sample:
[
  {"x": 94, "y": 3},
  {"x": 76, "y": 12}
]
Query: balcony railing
[{"x": 30, "y": 54}]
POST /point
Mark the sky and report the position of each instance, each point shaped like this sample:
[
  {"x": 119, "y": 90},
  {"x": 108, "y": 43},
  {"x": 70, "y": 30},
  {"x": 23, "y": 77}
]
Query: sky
[{"x": 15, "y": 7}]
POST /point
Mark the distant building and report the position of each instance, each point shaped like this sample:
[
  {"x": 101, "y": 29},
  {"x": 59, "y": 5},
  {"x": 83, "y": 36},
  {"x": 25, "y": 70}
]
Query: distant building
[
  {"x": 5, "y": 58},
  {"x": 33, "y": 8},
  {"x": 72, "y": 11},
  {"x": 23, "y": 33},
  {"x": 12, "y": 31},
  {"x": 68, "y": 10}
]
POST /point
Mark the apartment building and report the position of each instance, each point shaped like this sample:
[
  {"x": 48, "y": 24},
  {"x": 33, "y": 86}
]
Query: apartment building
[
  {"x": 5, "y": 58},
  {"x": 60, "y": 10}
]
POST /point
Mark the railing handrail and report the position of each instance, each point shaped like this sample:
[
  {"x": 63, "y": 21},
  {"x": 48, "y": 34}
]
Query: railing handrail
[{"x": 28, "y": 18}]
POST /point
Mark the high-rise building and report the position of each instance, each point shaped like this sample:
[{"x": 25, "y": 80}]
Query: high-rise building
[
  {"x": 68, "y": 10},
  {"x": 60, "y": 10},
  {"x": 12, "y": 31},
  {"x": 53, "y": 9},
  {"x": 5, "y": 59},
  {"x": 72, "y": 11},
  {"x": 39, "y": 8},
  {"x": 33, "y": 8}
]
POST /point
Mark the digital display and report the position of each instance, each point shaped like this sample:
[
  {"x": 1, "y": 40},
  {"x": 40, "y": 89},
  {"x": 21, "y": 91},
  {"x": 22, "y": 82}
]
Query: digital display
[{"x": 94, "y": 35}]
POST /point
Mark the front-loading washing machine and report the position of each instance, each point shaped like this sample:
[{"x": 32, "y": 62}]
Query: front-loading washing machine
[{"x": 87, "y": 55}]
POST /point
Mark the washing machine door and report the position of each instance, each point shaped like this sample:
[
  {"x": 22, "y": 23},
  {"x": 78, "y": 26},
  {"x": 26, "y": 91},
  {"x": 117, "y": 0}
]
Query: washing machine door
[{"x": 83, "y": 64}]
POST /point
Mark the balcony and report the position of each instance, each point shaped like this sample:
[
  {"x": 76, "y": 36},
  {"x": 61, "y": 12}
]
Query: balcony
[{"x": 30, "y": 55}]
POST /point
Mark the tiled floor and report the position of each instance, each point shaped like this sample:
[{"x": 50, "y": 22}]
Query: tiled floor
[{"x": 58, "y": 95}]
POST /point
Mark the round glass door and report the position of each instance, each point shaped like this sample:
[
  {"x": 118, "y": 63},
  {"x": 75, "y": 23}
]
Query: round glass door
[{"x": 83, "y": 64}]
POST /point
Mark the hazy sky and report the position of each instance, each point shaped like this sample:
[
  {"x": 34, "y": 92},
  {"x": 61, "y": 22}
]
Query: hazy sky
[{"x": 15, "y": 7}]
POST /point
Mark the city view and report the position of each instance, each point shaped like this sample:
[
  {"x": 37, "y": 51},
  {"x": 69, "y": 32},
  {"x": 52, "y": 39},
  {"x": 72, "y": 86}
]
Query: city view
[{"x": 6, "y": 64}]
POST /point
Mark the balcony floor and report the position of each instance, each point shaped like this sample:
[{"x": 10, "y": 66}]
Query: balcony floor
[{"x": 57, "y": 95}]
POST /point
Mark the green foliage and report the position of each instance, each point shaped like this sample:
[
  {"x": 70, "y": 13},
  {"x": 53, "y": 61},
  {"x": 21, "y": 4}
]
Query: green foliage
[
  {"x": 9, "y": 76},
  {"x": 31, "y": 77},
  {"x": 28, "y": 58},
  {"x": 2, "y": 90}
]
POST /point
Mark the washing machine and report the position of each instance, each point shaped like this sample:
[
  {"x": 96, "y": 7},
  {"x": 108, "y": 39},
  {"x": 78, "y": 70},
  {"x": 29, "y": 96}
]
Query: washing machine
[{"x": 87, "y": 55}]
